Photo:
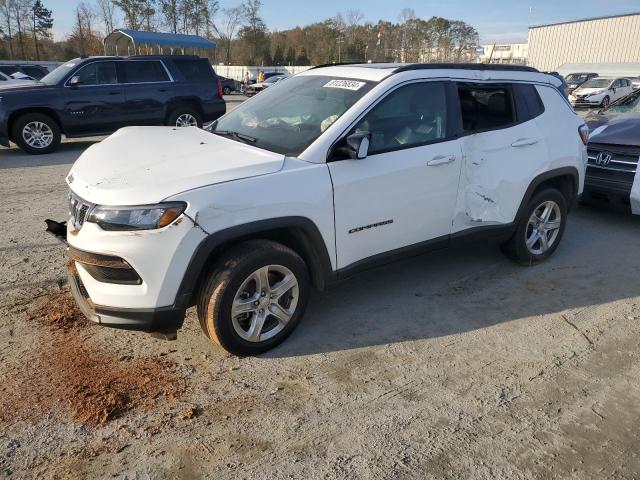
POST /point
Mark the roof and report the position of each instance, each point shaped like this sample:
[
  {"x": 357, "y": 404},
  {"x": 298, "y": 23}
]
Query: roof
[
  {"x": 159, "y": 39},
  {"x": 379, "y": 71},
  {"x": 585, "y": 20}
]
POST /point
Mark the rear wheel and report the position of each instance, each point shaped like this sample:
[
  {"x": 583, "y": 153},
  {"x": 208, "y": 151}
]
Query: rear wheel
[
  {"x": 184, "y": 117},
  {"x": 539, "y": 229},
  {"x": 36, "y": 133},
  {"x": 254, "y": 297},
  {"x": 226, "y": 91}
]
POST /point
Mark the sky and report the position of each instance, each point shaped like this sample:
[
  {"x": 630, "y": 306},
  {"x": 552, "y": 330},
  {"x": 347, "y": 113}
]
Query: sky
[{"x": 496, "y": 20}]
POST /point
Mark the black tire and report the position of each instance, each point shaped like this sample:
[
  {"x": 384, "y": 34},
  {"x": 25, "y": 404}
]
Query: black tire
[
  {"x": 226, "y": 91},
  {"x": 217, "y": 292},
  {"x": 516, "y": 247},
  {"x": 605, "y": 102},
  {"x": 18, "y": 128},
  {"x": 176, "y": 113}
]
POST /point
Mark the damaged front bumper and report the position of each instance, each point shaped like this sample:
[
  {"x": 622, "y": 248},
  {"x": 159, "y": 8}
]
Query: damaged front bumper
[{"x": 108, "y": 269}]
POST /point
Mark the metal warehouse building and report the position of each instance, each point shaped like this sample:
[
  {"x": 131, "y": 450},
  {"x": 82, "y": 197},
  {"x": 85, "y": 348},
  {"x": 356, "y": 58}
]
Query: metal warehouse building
[{"x": 614, "y": 39}]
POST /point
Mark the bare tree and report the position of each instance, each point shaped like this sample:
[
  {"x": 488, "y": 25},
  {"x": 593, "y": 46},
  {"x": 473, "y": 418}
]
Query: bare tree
[
  {"x": 231, "y": 20},
  {"x": 106, "y": 10},
  {"x": 7, "y": 24},
  {"x": 354, "y": 17},
  {"x": 21, "y": 9}
]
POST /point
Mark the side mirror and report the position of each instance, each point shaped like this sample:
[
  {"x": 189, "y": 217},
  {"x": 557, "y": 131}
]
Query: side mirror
[
  {"x": 358, "y": 145},
  {"x": 73, "y": 81}
]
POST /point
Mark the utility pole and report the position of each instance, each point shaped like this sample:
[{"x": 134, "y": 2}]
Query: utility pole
[{"x": 340, "y": 40}]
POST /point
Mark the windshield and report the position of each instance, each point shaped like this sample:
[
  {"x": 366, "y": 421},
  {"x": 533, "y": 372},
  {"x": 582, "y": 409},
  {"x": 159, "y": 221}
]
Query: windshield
[
  {"x": 577, "y": 78},
  {"x": 629, "y": 104},
  {"x": 57, "y": 75},
  {"x": 273, "y": 79},
  {"x": 287, "y": 117},
  {"x": 597, "y": 83}
]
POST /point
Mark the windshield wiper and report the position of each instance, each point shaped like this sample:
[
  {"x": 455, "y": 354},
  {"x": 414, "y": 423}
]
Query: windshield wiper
[{"x": 238, "y": 136}]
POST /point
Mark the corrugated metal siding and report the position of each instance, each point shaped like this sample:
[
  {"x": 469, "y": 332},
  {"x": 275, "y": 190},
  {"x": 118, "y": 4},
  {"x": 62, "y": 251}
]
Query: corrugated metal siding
[{"x": 614, "y": 39}]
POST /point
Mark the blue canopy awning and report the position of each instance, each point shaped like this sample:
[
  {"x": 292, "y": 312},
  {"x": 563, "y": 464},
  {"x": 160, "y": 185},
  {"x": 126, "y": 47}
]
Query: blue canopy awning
[{"x": 123, "y": 38}]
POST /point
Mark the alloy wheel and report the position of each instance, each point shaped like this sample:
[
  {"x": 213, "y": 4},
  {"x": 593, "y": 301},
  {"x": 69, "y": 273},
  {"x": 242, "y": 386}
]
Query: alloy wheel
[
  {"x": 543, "y": 227},
  {"x": 186, "y": 120},
  {"x": 37, "y": 134},
  {"x": 264, "y": 303}
]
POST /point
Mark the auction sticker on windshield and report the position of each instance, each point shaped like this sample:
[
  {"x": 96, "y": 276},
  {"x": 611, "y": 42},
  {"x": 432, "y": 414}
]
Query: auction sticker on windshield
[{"x": 345, "y": 84}]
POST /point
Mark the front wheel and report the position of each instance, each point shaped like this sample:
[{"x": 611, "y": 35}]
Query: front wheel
[
  {"x": 226, "y": 91},
  {"x": 254, "y": 297},
  {"x": 605, "y": 102},
  {"x": 36, "y": 133},
  {"x": 184, "y": 117},
  {"x": 539, "y": 229}
]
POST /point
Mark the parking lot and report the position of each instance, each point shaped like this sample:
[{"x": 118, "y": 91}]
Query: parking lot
[{"x": 457, "y": 364}]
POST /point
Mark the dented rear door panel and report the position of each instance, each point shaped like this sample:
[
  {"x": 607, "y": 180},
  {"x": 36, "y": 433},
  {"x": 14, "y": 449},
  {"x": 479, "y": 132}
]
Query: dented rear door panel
[{"x": 497, "y": 167}]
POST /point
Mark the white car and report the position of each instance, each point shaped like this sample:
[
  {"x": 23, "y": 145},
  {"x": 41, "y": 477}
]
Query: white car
[
  {"x": 600, "y": 92},
  {"x": 10, "y": 80},
  {"x": 335, "y": 170}
]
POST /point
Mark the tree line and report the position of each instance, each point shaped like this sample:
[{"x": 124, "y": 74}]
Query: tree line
[{"x": 240, "y": 32}]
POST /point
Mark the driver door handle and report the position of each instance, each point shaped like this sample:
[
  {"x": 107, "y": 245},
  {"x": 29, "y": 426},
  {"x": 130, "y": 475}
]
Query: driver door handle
[
  {"x": 524, "y": 142},
  {"x": 441, "y": 160}
]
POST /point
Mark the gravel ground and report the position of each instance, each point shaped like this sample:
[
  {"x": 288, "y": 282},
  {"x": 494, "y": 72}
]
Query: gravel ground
[{"x": 458, "y": 364}]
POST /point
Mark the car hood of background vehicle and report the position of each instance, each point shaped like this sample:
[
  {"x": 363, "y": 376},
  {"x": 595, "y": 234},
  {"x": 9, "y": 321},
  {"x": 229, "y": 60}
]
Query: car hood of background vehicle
[
  {"x": 621, "y": 129},
  {"x": 589, "y": 91},
  {"x": 145, "y": 165},
  {"x": 20, "y": 88}
]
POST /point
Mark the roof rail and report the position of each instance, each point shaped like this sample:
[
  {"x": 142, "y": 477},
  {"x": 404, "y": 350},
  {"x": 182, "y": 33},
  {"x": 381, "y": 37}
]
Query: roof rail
[
  {"x": 465, "y": 66},
  {"x": 341, "y": 64}
]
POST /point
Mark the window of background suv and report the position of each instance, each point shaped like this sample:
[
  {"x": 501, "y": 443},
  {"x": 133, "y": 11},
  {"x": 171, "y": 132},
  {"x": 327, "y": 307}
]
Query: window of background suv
[
  {"x": 486, "y": 107},
  {"x": 143, "y": 71},
  {"x": 195, "y": 70},
  {"x": 410, "y": 116}
]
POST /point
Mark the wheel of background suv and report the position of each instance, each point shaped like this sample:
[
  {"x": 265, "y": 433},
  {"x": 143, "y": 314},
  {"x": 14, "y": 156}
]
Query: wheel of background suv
[
  {"x": 254, "y": 297},
  {"x": 184, "y": 117},
  {"x": 540, "y": 228},
  {"x": 36, "y": 133},
  {"x": 605, "y": 102},
  {"x": 226, "y": 91}
]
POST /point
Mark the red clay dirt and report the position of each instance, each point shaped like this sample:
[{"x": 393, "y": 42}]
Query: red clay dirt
[{"x": 71, "y": 374}]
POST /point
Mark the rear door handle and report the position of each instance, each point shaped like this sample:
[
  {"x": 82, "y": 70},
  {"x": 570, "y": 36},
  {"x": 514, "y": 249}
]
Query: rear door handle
[
  {"x": 441, "y": 160},
  {"x": 524, "y": 142}
]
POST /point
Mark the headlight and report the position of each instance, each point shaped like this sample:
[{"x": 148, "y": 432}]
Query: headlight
[
  {"x": 143, "y": 217},
  {"x": 595, "y": 94}
]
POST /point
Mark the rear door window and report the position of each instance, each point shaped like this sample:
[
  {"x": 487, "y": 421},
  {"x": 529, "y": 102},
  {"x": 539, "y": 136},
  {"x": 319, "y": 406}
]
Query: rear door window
[
  {"x": 195, "y": 70},
  {"x": 144, "y": 71},
  {"x": 486, "y": 107},
  {"x": 34, "y": 72}
]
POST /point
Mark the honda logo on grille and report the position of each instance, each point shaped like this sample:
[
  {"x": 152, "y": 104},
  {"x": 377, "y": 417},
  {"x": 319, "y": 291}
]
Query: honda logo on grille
[{"x": 603, "y": 159}]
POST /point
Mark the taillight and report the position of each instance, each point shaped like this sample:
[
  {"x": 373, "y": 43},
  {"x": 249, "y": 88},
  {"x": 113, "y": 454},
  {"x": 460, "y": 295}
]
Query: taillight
[
  {"x": 584, "y": 134},
  {"x": 220, "y": 88}
]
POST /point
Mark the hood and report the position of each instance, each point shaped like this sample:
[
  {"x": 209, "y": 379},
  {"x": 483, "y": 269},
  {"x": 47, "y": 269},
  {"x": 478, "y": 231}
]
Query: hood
[
  {"x": 588, "y": 91},
  {"x": 21, "y": 86},
  {"x": 145, "y": 165},
  {"x": 621, "y": 129}
]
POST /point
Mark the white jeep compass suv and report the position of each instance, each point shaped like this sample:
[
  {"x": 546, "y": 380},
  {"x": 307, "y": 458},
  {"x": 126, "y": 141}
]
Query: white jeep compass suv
[{"x": 324, "y": 174}]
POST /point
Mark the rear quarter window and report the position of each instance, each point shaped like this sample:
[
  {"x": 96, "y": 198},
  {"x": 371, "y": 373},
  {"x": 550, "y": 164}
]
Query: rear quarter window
[
  {"x": 195, "y": 70},
  {"x": 529, "y": 103}
]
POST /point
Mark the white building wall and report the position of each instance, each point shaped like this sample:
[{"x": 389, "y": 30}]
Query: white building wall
[{"x": 601, "y": 40}]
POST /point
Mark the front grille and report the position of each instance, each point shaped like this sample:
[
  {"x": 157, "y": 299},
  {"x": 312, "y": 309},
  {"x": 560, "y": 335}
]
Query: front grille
[
  {"x": 78, "y": 210},
  {"x": 611, "y": 168},
  {"x": 616, "y": 158}
]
